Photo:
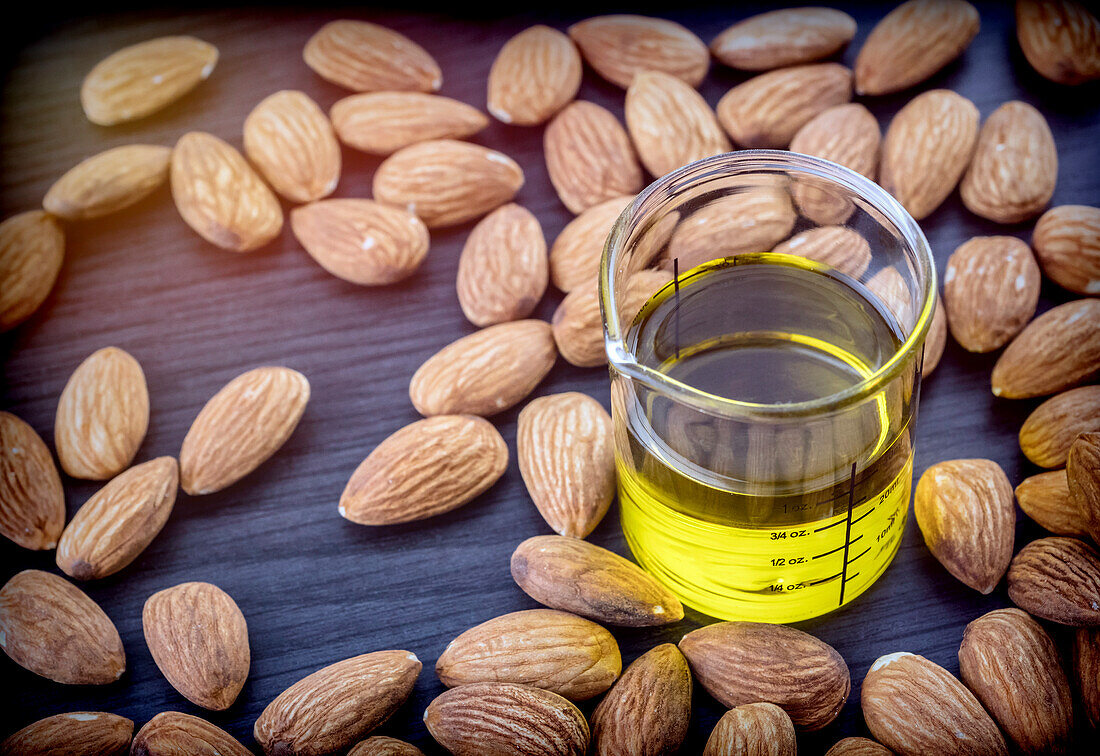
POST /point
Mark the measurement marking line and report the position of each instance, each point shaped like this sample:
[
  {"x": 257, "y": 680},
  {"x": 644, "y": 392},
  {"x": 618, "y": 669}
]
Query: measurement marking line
[
  {"x": 838, "y": 522},
  {"x": 825, "y": 580},
  {"x": 848, "y": 533},
  {"x": 827, "y": 553},
  {"x": 850, "y": 577},
  {"x": 857, "y": 556},
  {"x": 869, "y": 511}
]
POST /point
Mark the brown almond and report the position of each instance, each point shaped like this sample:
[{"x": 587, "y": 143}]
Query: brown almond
[
  {"x": 171, "y": 733},
  {"x": 1067, "y": 242},
  {"x": 32, "y": 501},
  {"x": 619, "y": 46},
  {"x": 535, "y": 74},
  {"x": 754, "y": 220},
  {"x": 753, "y": 728},
  {"x": 576, "y": 252},
  {"x": 366, "y": 57},
  {"x": 1045, "y": 499},
  {"x": 1083, "y": 479},
  {"x": 383, "y": 122},
  {"x": 786, "y": 37},
  {"x": 893, "y": 292},
  {"x": 380, "y": 745},
  {"x": 1056, "y": 351},
  {"x": 858, "y": 747},
  {"x": 1057, "y": 579},
  {"x": 589, "y": 156},
  {"x": 1086, "y": 672},
  {"x": 839, "y": 247},
  {"x": 108, "y": 182},
  {"x": 32, "y": 246},
  {"x": 1060, "y": 39},
  {"x": 936, "y": 340},
  {"x": 290, "y": 140},
  {"x": 1050, "y": 429},
  {"x": 77, "y": 733},
  {"x": 848, "y": 135}
]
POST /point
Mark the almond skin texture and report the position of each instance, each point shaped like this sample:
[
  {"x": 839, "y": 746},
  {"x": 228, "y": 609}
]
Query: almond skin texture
[
  {"x": 504, "y": 719},
  {"x": 1057, "y": 579},
  {"x": 845, "y": 134},
  {"x": 51, "y": 627},
  {"x": 838, "y": 247},
  {"x": 754, "y": 220},
  {"x": 1083, "y": 479},
  {"x": 503, "y": 270},
  {"x": 748, "y": 662},
  {"x": 446, "y": 182},
  {"x": 486, "y": 372},
  {"x": 290, "y": 140},
  {"x": 858, "y": 747},
  {"x": 785, "y": 37},
  {"x": 589, "y": 156},
  {"x": 427, "y": 468},
  {"x": 991, "y": 287},
  {"x": 1067, "y": 242},
  {"x": 1056, "y": 351},
  {"x": 566, "y": 457},
  {"x": 337, "y": 706},
  {"x": 32, "y": 246},
  {"x": 366, "y": 57},
  {"x": 102, "y": 415},
  {"x": 79, "y": 733},
  {"x": 544, "y": 648},
  {"x": 219, "y": 195},
  {"x": 171, "y": 733},
  {"x": 380, "y": 745},
  {"x": 913, "y": 42},
  {"x": 1086, "y": 672},
  {"x": 383, "y": 122},
  {"x": 535, "y": 74},
  {"x": 240, "y": 427},
  {"x": 619, "y": 46},
  {"x": 108, "y": 182},
  {"x": 914, "y": 707},
  {"x": 1014, "y": 669},
  {"x": 582, "y": 578},
  {"x": 32, "y": 501},
  {"x": 141, "y": 79},
  {"x": 114, "y": 526},
  {"x": 1061, "y": 40},
  {"x": 755, "y": 729},
  {"x": 1015, "y": 166},
  {"x": 576, "y": 252},
  {"x": 647, "y": 712},
  {"x": 936, "y": 341},
  {"x": 1050, "y": 429},
  {"x": 361, "y": 241},
  {"x": 1045, "y": 499}
]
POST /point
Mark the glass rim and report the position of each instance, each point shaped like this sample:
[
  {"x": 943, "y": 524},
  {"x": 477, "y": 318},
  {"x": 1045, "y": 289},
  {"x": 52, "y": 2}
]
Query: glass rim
[{"x": 745, "y": 161}]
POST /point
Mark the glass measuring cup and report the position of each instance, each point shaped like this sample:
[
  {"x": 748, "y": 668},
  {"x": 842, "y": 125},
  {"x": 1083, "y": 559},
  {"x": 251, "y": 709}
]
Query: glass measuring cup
[{"x": 765, "y": 315}]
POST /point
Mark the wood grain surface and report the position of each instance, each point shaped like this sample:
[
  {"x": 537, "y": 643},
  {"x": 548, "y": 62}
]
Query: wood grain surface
[{"x": 314, "y": 587}]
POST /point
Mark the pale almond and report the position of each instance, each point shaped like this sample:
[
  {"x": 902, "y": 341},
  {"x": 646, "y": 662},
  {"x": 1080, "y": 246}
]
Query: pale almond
[
  {"x": 1060, "y": 39},
  {"x": 535, "y": 74},
  {"x": 753, "y": 220},
  {"x": 786, "y": 37},
  {"x": 1067, "y": 242},
  {"x": 77, "y": 733},
  {"x": 383, "y": 122},
  {"x": 366, "y": 57},
  {"x": 1048, "y": 432},
  {"x": 1057, "y": 579},
  {"x": 893, "y": 292},
  {"x": 576, "y": 252},
  {"x": 171, "y": 733},
  {"x": 32, "y": 247},
  {"x": 1045, "y": 499},
  {"x": 108, "y": 182},
  {"x": 839, "y": 247},
  {"x": 848, "y": 135},
  {"x": 1056, "y": 351},
  {"x": 290, "y": 140},
  {"x": 619, "y": 46},
  {"x": 32, "y": 501},
  {"x": 936, "y": 340},
  {"x": 753, "y": 728}
]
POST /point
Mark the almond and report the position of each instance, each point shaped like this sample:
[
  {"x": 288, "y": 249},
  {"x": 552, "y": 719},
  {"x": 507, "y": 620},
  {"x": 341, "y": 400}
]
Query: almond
[
  {"x": 839, "y": 247},
  {"x": 927, "y": 148},
  {"x": 290, "y": 140},
  {"x": 446, "y": 182},
  {"x": 78, "y": 733},
  {"x": 1045, "y": 499},
  {"x": 750, "y": 662},
  {"x": 784, "y": 37},
  {"x": 338, "y": 705},
  {"x": 858, "y": 747},
  {"x": 32, "y": 501},
  {"x": 619, "y": 46},
  {"x": 1057, "y": 579},
  {"x": 647, "y": 712},
  {"x": 497, "y": 719},
  {"x": 108, "y": 182},
  {"x": 51, "y": 627},
  {"x": 913, "y": 42},
  {"x": 32, "y": 246},
  {"x": 1067, "y": 242},
  {"x": 173, "y": 734},
  {"x": 1049, "y": 430},
  {"x": 141, "y": 79},
  {"x": 769, "y": 109},
  {"x": 361, "y": 241},
  {"x": 503, "y": 270},
  {"x": 1061, "y": 40},
  {"x": 991, "y": 287},
  {"x": 114, "y": 526},
  {"x": 847, "y": 135},
  {"x": 219, "y": 195},
  {"x": 1056, "y": 351},
  {"x": 380, "y": 745},
  {"x": 914, "y": 706},
  {"x": 752, "y": 728},
  {"x": 366, "y": 57},
  {"x": 589, "y": 156},
  {"x": 102, "y": 415},
  {"x": 535, "y": 74},
  {"x": 383, "y": 122},
  {"x": 754, "y": 220},
  {"x": 893, "y": 292},
  {"x": 1086, "y": 671},
  {"x": 1083, "y": 479},
  {"x": 427, "y": 468},
  {"x": 936, "y": 340},
  {"x": 576, "y": 252},
  {"x": 240, "y": 427},
  {"x": 1015, "y": 166},
  {"x": 486, "y": 372}
]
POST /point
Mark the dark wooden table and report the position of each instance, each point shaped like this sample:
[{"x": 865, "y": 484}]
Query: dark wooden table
[{"x": 314, "y": 587}]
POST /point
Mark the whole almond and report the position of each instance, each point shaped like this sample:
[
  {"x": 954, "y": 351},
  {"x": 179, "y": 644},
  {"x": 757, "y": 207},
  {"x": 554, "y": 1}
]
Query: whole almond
[
  {"x": 754, "y": 220},
  {"x": 78, "y": 733},
  {"x": 240, "y": 427},
  {"x": 619, "y": 46},
  {"x": 503, "y": 719},
  {"x": 754, "y": 728},
  {"x": 486, "y": 372},
  {"x": 914, "y": 706},
  {"x": 1083, "y": 480},
  {"x": 589, "y": 156},
  {"x": 1067, "y": 242},
  {"x": 380, "y": 745},
  {"x": 427, "y": 468},
  {"x": 647, "y": 712},
  {"x": 290, "y": 140},
  {"x": 991, "y": 287},
  {"x": 845, "y": 134},
  {"x": 890, "y": 287},
  {"x": 749, "y": 662},
  {"x": 366, "y": 57},
  {"x": 503, "y": 270},
  {"x": 1086, "y": 672},
  {"x": 858, "y": 747},
  {"x": 1057, "y": 579},
  {"x": 1045, "y": 499},
  {"x": 141, "y": 79},
  {"x": 102, "y": 415},
  {"x": 1060, "y": 39},
  {"x": 219, "y": 195},
  {"x": 784, "y": 37},
  {"x": 32, "y": 501},
  {"x": 171, "y": 733},
  {"x": 936, "y": 341},
  {"x": 1013, "y": 667},
  {"x": 576, "y": 252},
  {"x": 32, "y": 246},
  {"x": 1050, "y": 429},
  {"x": 337, "y": 705},
  {"x": 582, "y": 578},
  {"x": 913, "y": 42},
  {"x": 1015, "y": 166},
  {"x": 51, "y": 627},
  {"x": 839, "y": 247},
  {"x": 927, "y": 148},
  {"x": 361, "y": 241},
  {"x": 114, "y": 526},
  {"x": 535, "y": 74},
  {"x": 383, "y": 122},
  {"x": 446, "y": 182},
  {"x": 1056, "y": 351},
  {"x": 108, "y": 182}
]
